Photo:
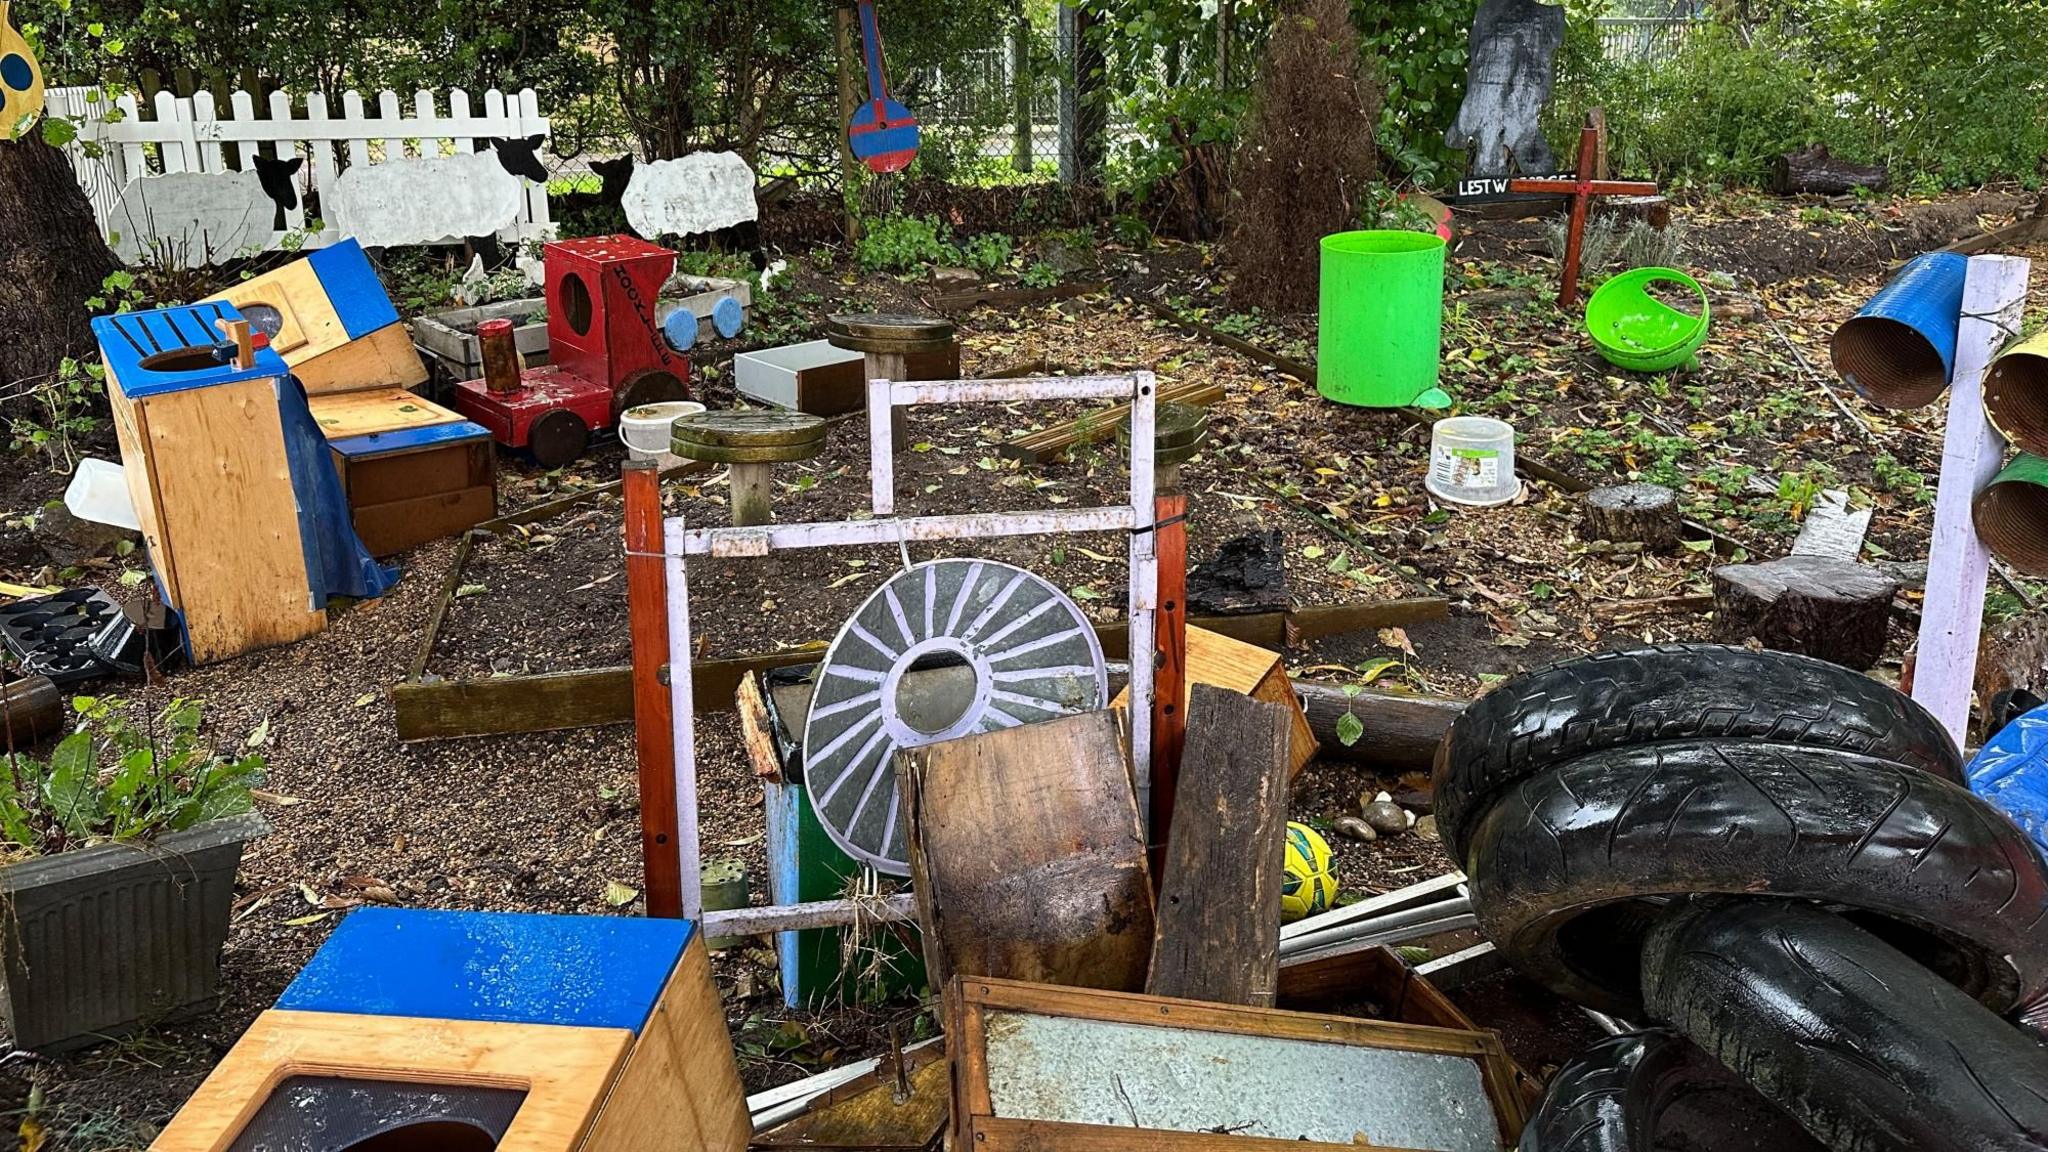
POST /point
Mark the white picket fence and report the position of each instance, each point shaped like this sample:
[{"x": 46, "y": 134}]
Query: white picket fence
[{"x": 187, "y": 134}]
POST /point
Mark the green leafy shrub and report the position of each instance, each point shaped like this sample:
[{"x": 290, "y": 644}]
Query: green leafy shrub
[
  {"x": 111, "y": 780},
  {"x": 986, "y": 253},
  {"x": 903, "y": 244}
]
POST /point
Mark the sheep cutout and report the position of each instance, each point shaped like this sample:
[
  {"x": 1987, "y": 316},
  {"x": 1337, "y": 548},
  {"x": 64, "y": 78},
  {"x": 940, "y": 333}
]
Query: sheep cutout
[
  {"x": 701, "y": 192},
  {"x": 432, "y": 200},
  {"x": 189, "y": 219}
]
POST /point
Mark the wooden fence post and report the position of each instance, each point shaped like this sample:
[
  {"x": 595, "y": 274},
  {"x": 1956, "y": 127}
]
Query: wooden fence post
[{"x": 653, "y": 719}]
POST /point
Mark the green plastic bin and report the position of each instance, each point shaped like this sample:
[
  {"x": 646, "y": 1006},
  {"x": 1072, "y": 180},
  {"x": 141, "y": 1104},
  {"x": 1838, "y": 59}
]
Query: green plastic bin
[{"x": 1380, "y": 335}]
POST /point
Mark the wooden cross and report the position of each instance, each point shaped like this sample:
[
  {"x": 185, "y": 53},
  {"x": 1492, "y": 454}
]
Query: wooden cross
[{"x": 1581, "y": 187}]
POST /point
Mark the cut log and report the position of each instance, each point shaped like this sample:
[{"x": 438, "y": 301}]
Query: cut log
[
  {"x": 1814, "y": 171},
  {"x": 1219, "y": 895},
  {"x": 1032, "y": 834},
  {"x": 1831, "y": 609},
  {"x": 1652, "y": 210},
  {"x": 1632, "y": 513},
  {"x": 1400, "y": 729}
]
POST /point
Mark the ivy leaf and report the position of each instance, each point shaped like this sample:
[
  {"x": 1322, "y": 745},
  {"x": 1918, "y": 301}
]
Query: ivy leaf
[{"x": 58, "y": 132}]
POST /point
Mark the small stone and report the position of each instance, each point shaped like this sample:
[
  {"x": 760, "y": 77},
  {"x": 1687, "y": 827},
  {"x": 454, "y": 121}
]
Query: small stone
[
  {"x": 1354, "y": 828},
  {"x": 954, "y": 277},
  {"x": 1426, "y": 828},
  {"x": 1386, "y": 817},
  {"x": 1416, "y": 800}
]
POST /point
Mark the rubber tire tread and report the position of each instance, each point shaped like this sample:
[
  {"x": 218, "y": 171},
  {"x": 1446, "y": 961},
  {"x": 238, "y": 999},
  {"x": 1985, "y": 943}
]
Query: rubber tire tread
[
  {"x": 1868, "y": 1050},
  {"x": 1612, "y": 1096},
  {"x": 1557, "y": 713},
  {"x": 1669, "y": 820}
]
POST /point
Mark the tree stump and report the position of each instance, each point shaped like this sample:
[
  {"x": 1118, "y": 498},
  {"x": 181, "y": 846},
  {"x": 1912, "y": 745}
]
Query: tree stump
[
  {"x": 1831, "y": 609},
  {"x": 1631, "y": 513},
  {"x": 1817, "y": 172}
]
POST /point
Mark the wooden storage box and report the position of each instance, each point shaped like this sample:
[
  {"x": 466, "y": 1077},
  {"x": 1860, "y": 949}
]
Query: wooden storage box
[
  {"x": 329, "y": 317},
  {"x": 413, "y": 470},
  {"x": 814, "y": 377},
  {"x": 449, "y": 338},
  {"x": 204, "y": 450},
  {"x": 1214, "y": 658},
  {"x": 547, "y": 1033}
]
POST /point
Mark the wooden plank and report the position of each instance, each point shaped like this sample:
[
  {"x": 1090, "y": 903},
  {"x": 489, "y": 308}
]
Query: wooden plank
[
  {"x": 1067, "y": 898},
  {"x": 449, "y": 584},
  {"x": 1831, "y": 529},
  {"x": 757, "y": 728},
  {"x": 384, "y": 357},
  {"x": 1035, "y": 447},
  {"x": 548, "y": 701},
  {"x": 2015, "y": 233},
  {"x": 1169, "y": 668},
  {"x": 1218, "y": 924},
  {"x": 1952, "y": 614},
  {"x": 876, "y": 1111},
  {"x": 653, "y": 730},
  {"x": 345, "y": 414},
  {"x": 680, "y": 1087},
  {"x": 1015, "y": 297},
  {"x": 1402, "y": 729},
  {"x": 565, "y": 1072},
  {"x": 997, "y": 1134},
  {"x": 389, "y": 528}
]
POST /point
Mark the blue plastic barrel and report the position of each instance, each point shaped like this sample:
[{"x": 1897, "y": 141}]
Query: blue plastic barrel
[{"x": 1899, "y": 351}]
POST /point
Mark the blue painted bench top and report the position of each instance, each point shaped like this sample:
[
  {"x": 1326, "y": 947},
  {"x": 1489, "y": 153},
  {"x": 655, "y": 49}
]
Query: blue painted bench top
[
  {"x": 514, "y": 968},
  {"x": 408, "y": 439}
]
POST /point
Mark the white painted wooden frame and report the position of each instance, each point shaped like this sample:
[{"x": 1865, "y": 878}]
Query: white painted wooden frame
[
  {"x": 1952, "y": 616},
  {"x": 1135, "y": 520}
]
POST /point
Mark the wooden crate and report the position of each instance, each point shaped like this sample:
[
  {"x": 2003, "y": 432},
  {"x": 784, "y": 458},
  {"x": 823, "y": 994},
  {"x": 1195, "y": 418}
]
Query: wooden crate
[
  {"x": 1214, "y": 658},
  {"x": 413, "y": 470},
  {"x": 449, "y": 338},
  {"x": 203, "y": 447},
  {"x": 1204, "y": 1052}
]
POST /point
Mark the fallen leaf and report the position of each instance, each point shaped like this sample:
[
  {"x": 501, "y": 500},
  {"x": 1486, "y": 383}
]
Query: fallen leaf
[
  {"x": 378, "y": 893},
  {"x": 366, "y": 699},
  {"x": 1396, "y": 638},
  {"x": 471, "y": 590},
  {"x": 302, "y": 921},
  {"x": 277, "y": 798},
  {"x": 260, "y": 734},
  {"x": 619, "y": 895}
]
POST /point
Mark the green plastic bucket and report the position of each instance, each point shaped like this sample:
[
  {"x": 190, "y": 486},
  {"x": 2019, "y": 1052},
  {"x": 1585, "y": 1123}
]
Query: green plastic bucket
[
  {"x": 2011, "y": 515},
  {"x": 1637, "y": 331},
  {"x": 1381, "y": 326}
]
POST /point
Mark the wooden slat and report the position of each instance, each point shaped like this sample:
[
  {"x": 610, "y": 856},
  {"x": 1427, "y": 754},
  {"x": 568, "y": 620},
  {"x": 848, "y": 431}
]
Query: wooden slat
[
  {"x": 1014, "y": 297},
  {"x": 653, "y": 730},
  {"x": 1035, "y": 447},
  {"x": 996, "y": 1134},
  {"x": 449, "y": 583},
  {"x": 1068, "y": 899},
  {"x": 1218, "y": 934},
  {"x": 1169, "y": 669}
]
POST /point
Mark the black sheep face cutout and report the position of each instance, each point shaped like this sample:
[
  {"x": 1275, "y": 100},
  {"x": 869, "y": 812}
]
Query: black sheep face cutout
[
  {"x": 276, "y": 178},
  {"x": 517, "y": 156}
]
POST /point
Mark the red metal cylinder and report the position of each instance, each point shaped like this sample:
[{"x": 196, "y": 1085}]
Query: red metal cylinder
[{"x": 500, "y": 353}]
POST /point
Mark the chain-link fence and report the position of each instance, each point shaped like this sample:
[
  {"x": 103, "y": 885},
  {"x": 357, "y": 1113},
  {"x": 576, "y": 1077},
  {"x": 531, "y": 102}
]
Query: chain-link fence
[
  {"x": 1644, "y": 40},
  {"x": 993, "y": 115}
]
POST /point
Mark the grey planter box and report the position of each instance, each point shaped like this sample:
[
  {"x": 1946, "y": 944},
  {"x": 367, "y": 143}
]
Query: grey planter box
[
  {"x": 108, "y": 939},
  {"x": 449, "y": 338}
]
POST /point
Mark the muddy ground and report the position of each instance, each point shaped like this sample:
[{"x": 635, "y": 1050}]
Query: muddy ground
[{"x": 549, "y": 822}]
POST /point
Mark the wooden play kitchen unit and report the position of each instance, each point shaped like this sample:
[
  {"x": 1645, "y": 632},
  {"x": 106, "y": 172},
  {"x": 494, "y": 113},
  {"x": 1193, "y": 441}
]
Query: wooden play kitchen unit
[
  {"x": 752, "y": 442},
  {"x": 474, "y": 1030},
  {"x": 606, "y": 349},
  {"x": 204, "y": 448}
]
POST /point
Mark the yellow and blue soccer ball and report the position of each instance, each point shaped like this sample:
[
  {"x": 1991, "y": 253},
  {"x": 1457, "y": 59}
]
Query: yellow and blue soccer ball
[{"x": 1310, "y": 886}]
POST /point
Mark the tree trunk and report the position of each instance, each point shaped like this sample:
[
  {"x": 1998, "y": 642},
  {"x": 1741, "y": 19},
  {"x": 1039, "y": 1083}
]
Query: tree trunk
[
  {"x": 1830, "y": 609},
  {"x": 52, "y": 260},
  {"x": 1632, "y": 513},
  {"x": 1815, "y": 171}
]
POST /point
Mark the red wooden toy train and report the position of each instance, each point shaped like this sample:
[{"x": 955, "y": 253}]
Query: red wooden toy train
[{"x": 606, "y": 351}]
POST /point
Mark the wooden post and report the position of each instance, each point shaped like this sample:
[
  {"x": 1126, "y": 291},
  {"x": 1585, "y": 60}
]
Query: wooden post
[
  {"x": 1169, "y": 686},
  {"x": 1021, "y": 88},
  {"x": 653, "y": 739},
  {"x": 1951, "y": 617},
  {"x": 1582, "y": 187}
]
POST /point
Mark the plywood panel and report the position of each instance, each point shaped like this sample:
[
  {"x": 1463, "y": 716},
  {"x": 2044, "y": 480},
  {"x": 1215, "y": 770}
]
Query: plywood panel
[
  {"x": 680, "y": 1087},
  {"x": 345, "y": 414},
  {"x": 140, "y": 476},
  {"x": 230, "y": 518},
  {"x": 1214, "y": 658},
  {"x": 564, "y": 1071},
  {"x": 385, "y": 357}
]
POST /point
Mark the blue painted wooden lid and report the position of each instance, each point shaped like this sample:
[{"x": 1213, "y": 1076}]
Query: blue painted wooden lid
[
  {"x": 408, "y": 439},
  {"x": 508, "y": 967},
  {"x": 131, "y": 339}
]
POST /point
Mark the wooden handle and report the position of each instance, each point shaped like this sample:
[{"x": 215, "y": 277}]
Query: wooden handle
[{"x": 245, "y": 344}]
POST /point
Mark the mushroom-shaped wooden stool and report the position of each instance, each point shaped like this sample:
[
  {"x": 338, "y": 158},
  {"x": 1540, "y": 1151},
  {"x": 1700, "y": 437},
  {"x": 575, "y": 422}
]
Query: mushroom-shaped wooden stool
[
  {"x": 895, "y": 347},
  {"x": 1177, "y": 431},
  {"x": 751, "y": 442}
]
